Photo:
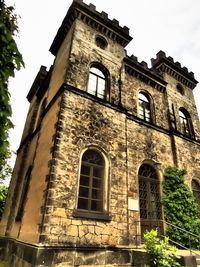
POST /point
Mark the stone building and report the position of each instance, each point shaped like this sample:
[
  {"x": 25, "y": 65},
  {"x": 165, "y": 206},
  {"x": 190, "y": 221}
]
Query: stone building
[{"x": 100, "y": 130}]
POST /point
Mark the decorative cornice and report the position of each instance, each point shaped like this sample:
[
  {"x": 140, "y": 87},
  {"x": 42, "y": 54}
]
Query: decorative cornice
[
  {"x": 40, "y": 77},
  {"x": 141, "y": 71},
  {"x": 165, "y": 64},
  {"x": 96, "y": 20}
]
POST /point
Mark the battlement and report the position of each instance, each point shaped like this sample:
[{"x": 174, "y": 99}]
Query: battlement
[
  {"x": 163, "y": 63},
  {"x": 93, "y": 18}
]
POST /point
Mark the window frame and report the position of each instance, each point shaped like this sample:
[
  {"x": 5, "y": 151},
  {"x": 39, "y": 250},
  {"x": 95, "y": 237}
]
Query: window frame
[
  {"x": 145, "y": 107},
  {"x": 102, "y": 214},
  {"x": 98, "y": 78},
  {"x": 186, "y": 127}
]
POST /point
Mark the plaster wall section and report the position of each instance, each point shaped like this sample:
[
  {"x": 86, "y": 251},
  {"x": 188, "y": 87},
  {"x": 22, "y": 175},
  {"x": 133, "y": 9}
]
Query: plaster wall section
[
  {"x": 131, "y": 87},
  {"x": 42, "y": 147},
  {"x": 85, "y": 51},
  {"x": 84, "y": 124},
  {"x": 61, "y": 65},
  {"x": 185, "y": 100}
]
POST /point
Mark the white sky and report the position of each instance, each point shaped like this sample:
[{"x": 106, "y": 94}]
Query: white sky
[{"x": 172, "y": 26}]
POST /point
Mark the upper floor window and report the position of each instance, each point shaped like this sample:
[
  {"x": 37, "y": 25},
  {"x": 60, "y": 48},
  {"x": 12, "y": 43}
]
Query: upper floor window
[
  {"x": 98, "y": 82},
  {"x": 180, "y": 89},
  {"x": 185, "y": 121},
  {"x": 144, "y": 107}
]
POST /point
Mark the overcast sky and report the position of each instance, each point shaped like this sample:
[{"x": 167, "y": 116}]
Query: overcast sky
[{"x": 172, "y": 26}]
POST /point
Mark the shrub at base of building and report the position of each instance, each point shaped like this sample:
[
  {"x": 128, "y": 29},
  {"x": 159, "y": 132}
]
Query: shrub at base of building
[{"x": 159, "y": 252}]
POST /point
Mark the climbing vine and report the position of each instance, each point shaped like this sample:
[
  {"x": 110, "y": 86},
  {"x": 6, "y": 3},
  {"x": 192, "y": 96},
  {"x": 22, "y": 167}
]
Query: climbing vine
[
  {"x": 180, "y": 208},
  {"x": 10, "y": 60}
]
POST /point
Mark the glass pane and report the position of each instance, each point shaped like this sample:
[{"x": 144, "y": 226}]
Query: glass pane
[
  {"x": 97, "y": 172},
  {"x": 83, "y": 191},
  {"x": 84, "y": 180},
  {"x": 85, "y": 170},
  {"x": 143, "y": 97},
  {"x": 92, "y": 84},
  {"x": 101, "y": 88},
  {"x": 97, "y": 72},
  {"x": 96, "y": 194},
  {"x": 96, "y": 183},
  {"x": 96, "y": 205},
  {"x": 91, "y": 156},
  {"x": 82, "y": 203}
]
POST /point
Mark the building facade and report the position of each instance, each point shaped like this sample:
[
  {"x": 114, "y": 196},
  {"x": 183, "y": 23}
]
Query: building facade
[{"x": 100, "y": 130}]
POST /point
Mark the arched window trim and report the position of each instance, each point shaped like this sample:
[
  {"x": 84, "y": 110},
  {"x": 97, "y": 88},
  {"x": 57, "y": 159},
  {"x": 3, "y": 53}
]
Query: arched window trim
[
  {"x": 151, "y": 105},
  {"x": 186, "y": 127},
  {"x": 106, "y": 74},
  {"x": 96, "y": 215}
]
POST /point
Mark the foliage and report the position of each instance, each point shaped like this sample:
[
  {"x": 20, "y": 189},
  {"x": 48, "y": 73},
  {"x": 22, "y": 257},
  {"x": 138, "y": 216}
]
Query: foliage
[
  {"x": 10, "y": 60},
  {"x": 6, "y": 169},
  {"x": 180, "y": 208},
  {"x": 3, "y": 194},
  {"x": 159, "y": 252}
]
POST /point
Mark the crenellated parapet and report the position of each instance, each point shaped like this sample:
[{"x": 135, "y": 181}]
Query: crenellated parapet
[
  {"x": 99, "y": 21},
  {"x": 141, "y": 71},
  {"x": 164, "y": 64}
]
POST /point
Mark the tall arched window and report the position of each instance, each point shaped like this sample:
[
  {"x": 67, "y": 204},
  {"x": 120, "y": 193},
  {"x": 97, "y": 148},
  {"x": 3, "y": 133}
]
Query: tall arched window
[
  {"x": 196, "y": 192},
  {"x": 93, "y": 186},
  {"x": 144, "y": 107},
  {"x": 185, "y": 122},
  {"x": 149, "y": 195},
  {"x": 98, "y": 82},
  {"x": 91, "y": 181}
]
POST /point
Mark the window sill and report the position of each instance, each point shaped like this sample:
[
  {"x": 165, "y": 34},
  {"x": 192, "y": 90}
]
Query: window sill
[{"x": 101, "y": 216}]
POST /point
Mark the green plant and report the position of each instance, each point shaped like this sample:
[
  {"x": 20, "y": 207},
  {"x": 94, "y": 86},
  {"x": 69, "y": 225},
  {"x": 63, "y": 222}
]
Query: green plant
[
  {"x": 159, "y": 252},
  {"x": 3, "y": 194},
  {"x": 10, "y": 60},
  {"x": 180, "y": 208}
]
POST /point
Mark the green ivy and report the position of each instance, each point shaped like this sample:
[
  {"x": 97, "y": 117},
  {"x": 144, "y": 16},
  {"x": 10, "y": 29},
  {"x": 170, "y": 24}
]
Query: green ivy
[
  {"x": 159, "y": 252},
  {"x": 10, "y": 60},
  {"x": 180, "y": 208},
  {"x": 3, "y": 194}
]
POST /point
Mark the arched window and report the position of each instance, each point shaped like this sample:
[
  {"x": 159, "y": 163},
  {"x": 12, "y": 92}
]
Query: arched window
[
  {"x": 185, "y": 122},
  {"x": 144, "y": 107},
  {"x": 149, "y": 195},
  {"x": 196, "y": 192},
  {"x": 98, "y": 82},
  {"x": 91, "y": 181}
]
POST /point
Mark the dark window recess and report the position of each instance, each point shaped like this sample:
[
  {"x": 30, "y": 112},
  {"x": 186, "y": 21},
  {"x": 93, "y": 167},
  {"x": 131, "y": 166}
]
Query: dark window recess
[
  {"x": 101, "y": 42},
  {"x": 24, "y": 195},
  {"x": 180, "y": 89},
  {"x": 144, "y": 108}
]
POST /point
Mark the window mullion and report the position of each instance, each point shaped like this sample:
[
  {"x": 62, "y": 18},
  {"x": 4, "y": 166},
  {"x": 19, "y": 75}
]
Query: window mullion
[{"x": 90, "y": 188}]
